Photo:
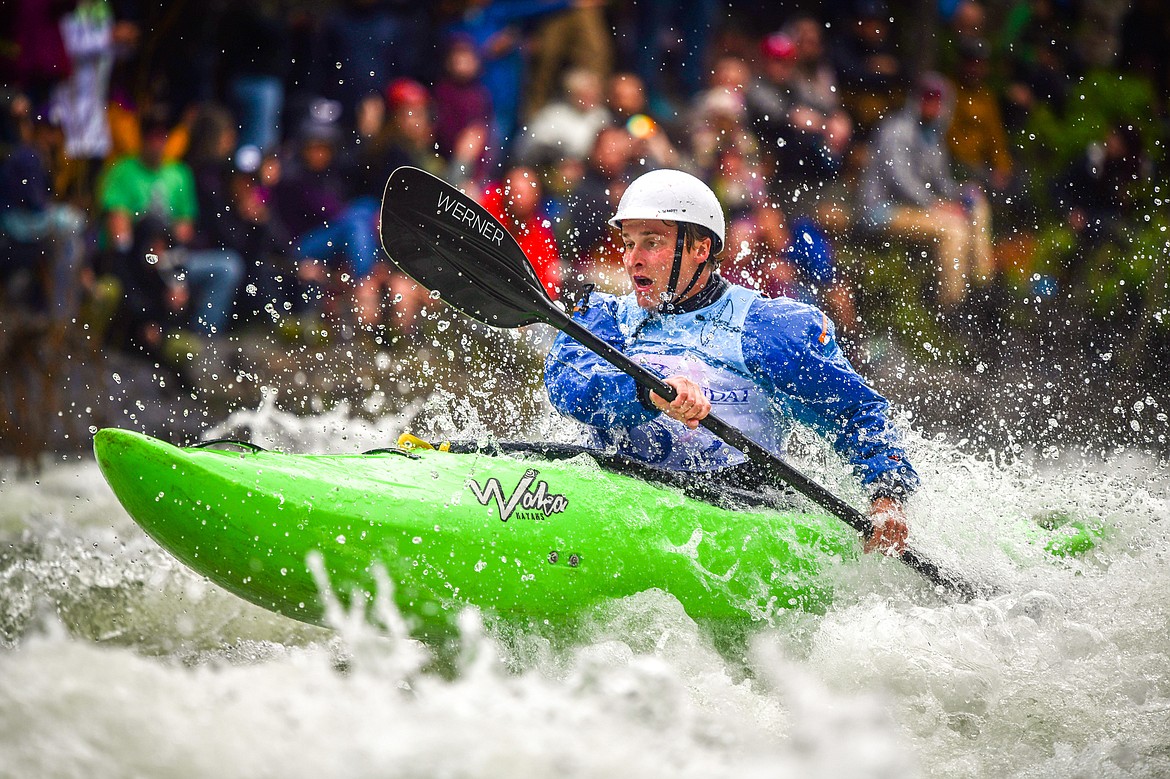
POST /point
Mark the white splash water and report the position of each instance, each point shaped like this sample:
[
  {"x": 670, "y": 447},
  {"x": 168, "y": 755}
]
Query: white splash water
[{"x": 117, "y": 661}]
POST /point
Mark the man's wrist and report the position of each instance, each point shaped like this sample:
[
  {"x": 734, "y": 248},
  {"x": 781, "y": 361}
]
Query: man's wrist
[{"x": 891, "y": 492}]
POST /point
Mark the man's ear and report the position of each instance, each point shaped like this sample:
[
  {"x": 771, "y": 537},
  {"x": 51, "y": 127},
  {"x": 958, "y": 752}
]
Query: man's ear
[{"x": 704, "y": 246}]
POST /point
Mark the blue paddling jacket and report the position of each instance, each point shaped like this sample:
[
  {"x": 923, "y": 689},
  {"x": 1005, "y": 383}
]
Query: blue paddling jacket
[{"x": 765, "y": 364}]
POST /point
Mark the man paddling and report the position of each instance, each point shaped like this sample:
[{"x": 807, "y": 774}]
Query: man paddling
[{"x": 762, "y": 364}]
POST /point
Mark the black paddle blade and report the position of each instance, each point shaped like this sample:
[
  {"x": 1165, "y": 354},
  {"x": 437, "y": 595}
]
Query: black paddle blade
[{"x": 450, "y": 244}]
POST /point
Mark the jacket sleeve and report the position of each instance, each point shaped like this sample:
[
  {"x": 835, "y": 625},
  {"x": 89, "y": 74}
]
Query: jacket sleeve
[
  {"x": 582, "y": 385},
  {"x": 791, "y": 349}
]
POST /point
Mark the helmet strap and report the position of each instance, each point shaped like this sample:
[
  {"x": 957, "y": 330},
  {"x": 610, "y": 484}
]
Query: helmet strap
[
  {"x": 693, "y": 282},
  {"x": 673, "y": 297}
]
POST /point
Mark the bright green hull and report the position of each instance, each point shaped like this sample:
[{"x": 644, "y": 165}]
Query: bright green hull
[{"x": 249, "y": 521}]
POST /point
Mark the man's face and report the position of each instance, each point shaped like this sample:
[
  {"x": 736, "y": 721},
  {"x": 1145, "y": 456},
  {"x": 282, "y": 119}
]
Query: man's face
[
  {"x": 154, "y": 145},
  {"x": 779, "y": 71},
  {"x": 521, "y": 193},
  {"x": 317, "y": 155},
  {"x": 611, "y": 151},
  {"x": 626, "y": 95},
  {"x": 649, "y": 254},
  {"x": 931, "y": 107}
]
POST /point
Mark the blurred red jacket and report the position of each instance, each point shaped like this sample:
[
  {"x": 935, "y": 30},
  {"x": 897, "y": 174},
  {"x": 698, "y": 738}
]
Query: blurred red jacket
[{"x": 535, "y": 238}]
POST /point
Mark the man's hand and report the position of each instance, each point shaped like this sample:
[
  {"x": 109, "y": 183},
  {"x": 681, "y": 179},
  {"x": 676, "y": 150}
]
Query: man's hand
[
  {"x": 889, "y": 527},
  {"x": 688, "y": 407}
]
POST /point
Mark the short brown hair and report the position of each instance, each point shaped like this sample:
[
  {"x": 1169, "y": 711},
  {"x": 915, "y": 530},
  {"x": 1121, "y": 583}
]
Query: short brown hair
[{"x": 693, "y": 233}]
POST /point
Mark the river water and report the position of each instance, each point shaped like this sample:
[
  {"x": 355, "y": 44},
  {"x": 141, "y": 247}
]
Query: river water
[{"x": 116, "y": 661}]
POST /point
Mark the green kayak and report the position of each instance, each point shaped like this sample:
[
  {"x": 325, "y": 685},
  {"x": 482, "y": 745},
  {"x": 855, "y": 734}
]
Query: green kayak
[{"x": 516, "y": 535}]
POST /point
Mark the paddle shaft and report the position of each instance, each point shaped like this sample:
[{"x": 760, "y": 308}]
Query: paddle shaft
[{"x": 762, "y": 457}]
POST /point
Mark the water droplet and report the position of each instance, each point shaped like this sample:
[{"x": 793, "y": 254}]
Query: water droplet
[{"x": 151, "y": 259}]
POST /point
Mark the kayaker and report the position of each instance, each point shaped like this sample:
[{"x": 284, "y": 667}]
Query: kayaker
[{"x": 762, "y": 364}]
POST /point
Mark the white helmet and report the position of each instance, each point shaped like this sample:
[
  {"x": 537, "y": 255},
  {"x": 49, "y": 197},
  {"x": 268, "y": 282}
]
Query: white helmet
[{"x": 674, "y": 196}]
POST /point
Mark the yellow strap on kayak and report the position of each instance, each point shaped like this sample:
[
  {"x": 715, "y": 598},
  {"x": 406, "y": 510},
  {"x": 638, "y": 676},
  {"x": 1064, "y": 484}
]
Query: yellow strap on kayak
[{"x": 411, "y": 441}]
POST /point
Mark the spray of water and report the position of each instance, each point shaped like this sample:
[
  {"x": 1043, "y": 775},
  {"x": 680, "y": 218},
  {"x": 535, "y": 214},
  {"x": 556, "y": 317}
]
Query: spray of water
[{"x": 116, "y": 660}]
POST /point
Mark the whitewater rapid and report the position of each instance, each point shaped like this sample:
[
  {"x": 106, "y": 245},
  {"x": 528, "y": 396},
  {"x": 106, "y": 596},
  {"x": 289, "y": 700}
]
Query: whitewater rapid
[{"x": 116, "y": 661}]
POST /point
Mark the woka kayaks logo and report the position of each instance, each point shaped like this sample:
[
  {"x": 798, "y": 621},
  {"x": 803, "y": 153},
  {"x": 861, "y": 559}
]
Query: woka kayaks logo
[{"x": 533, "y": 502}]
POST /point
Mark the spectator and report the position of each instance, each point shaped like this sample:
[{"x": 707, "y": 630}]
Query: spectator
[
  {"x": 815, "y": 84},
  {"x": 462, "y": 102},
  {"x": 691, "y": 23},
  {"x": 310, "y": 190},
  {"x": 41, "y": 59},
  {"x": 769, "y": 97},
  {"x": 795, "y": 260},
  {"x": 366, "y": 43},
  {"x": 805, "y": 146},
  {"x": 628, "y": 107},
  {"x": 758, "y": 253},
  {"x": 370, "y": 118},
  {"x": 515, "y": 201},
  {"x": 626, "y": 97},
  {"x": 79, "y": 102},
  {"x": 577, "y": 36},
  {"x": 907, "y": 191},
  {"x": 968, "y": 23},
  {"x": 719, "y": 116},
  {"x": 1034, "y": 45},
  {"x": 410, "y": 133},
  {"x": 155, "y": 291},
  {"x": 255, "y": 62},
  {"x": 209, "y": 156},
  {"x": 607, "y": 171},
  {"x": 868, "y": 66},
  {"x": 335, "y": 238},
  {"x": 145, "y": 186},
  {"x": 271, "y": 287},
  {"x": 1096, "y": 195},
  {"x": 363, "y": 161},
  {"x": 52, "y": 231},
  {"x": 567, "y": 128},
  {"x": 739, "y": 184},
  {"x": 406, "y": 137},
  {"x": 493, "y": 26},
  {"x": 977, "y": 138}
]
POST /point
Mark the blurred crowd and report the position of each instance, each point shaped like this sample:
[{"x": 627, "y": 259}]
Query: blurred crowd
[{"x": 171, "y": 172}]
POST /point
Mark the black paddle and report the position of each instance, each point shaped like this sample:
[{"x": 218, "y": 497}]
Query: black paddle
[{"x": 448, "y": 243}]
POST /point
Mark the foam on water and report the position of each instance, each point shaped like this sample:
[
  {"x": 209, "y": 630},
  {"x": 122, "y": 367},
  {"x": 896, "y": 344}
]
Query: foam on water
[{"x": 117, "y": 661}]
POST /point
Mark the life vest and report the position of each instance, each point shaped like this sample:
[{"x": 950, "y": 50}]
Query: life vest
[{"x": 704, "y": 346}]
